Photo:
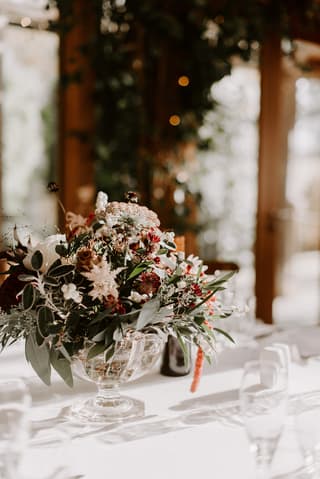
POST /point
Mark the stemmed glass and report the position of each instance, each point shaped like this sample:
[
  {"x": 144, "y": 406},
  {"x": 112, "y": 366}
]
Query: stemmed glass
[
  {"x": 15, "y": 402},
  {"x": 307, "y": 420},
  {"x": 263, "y": 404}
]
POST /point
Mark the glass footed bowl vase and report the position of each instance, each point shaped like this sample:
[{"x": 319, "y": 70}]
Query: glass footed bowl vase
[{"x": 134, "y": 355}]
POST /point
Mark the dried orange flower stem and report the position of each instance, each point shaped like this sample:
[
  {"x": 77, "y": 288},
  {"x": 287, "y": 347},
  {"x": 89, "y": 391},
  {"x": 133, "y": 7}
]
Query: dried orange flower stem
[
  {"x": 199, "y": 365},
  {"x": 197, "y": 370}
]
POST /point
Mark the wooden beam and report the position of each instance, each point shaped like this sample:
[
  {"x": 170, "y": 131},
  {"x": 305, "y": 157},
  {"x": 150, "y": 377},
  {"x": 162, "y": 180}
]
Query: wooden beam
[{"x": 77, "y": 110}]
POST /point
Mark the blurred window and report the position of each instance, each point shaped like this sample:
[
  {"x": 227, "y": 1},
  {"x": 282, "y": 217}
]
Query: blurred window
[
  {"x": 29, "y": 77},
  {"x": 298, "y": 299},
  {"x": 228, "y": 182}
]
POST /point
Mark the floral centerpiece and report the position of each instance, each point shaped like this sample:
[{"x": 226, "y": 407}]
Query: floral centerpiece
[{"x": 112, "y": 273}]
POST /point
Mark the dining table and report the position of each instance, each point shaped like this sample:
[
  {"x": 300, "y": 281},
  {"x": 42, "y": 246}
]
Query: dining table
[{"x": 182, "y": 435}]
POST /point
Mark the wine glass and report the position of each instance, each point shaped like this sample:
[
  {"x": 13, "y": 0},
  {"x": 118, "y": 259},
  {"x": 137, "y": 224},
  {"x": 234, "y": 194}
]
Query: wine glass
[
  {"x": 263, "y": 404},
  {"x": 307, "y": 420},
  {"x": 15, "y": 402}
]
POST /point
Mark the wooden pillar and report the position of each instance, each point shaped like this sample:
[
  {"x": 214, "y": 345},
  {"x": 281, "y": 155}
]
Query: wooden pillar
[
  {"x": 276, "y": 116},
  {"x": 76, "y": 167}
]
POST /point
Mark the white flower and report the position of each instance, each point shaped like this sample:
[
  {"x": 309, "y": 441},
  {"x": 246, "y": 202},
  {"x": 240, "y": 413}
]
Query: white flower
[
  {"x": 195, "y": 264},
  {"x": 168, "y": 262},
  {"x": 70, "y": 292},
  {"x": 103, "y": 280},
  {"x": 136, "y": 297},
  {"x": 181, "y": 284},
  {"x": 101, "y": 202},
  {"x": 47, "y": 248}
]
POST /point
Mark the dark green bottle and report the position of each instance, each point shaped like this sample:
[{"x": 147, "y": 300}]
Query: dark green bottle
[{"x": 173, "y": 363}]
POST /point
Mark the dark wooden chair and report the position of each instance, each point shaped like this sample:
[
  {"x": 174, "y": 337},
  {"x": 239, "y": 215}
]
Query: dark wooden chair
[{"x": 214, "y": 265}]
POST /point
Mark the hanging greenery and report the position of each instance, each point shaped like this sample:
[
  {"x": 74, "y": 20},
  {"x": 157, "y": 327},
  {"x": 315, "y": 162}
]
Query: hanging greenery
[{"x": 155, "y": 62}]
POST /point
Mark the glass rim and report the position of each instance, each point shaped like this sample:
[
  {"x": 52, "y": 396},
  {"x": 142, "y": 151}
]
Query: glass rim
[{"x": 257, "y": 362}]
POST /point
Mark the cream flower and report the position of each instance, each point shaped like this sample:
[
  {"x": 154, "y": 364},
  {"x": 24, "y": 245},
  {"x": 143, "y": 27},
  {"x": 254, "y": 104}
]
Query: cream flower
[
  {"x": 103, "y": 281},
  {"x": 47, "y": 248},
  {"x": 70, "y": 292},
  {"x": 136, "y": 297},
  {"x": 101, "y": 203}
]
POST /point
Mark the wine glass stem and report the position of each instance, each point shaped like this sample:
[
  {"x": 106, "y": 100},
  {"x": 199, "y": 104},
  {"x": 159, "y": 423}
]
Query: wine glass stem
[{"x": 263, "y": 471}]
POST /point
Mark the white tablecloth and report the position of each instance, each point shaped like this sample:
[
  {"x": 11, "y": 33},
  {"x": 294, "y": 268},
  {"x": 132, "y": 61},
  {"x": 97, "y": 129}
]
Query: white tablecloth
[{"x": 182, "y": 435}]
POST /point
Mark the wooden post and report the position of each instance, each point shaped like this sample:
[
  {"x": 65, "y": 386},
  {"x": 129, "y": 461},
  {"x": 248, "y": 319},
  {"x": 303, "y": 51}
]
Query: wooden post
[
  {"x": 276, "y": 116},
  {"x": 77, "y": 110}
]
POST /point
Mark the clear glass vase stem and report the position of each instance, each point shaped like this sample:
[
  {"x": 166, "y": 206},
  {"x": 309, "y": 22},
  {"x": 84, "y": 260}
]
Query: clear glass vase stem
[{"x": 108, "y": 395}]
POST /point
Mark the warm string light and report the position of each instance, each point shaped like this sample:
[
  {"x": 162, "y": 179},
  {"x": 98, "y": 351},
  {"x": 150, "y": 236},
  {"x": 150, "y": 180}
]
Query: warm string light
[
  {"x": 174, "y": 120},
  {"x": 183, "y": 80}
]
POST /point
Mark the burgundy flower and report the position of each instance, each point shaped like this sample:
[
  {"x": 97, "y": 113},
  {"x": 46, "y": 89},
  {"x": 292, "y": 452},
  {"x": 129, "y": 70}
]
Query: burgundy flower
[
  {"x": 10, "y": 288},
  {"x": 196, "y": 289},
  {"x": 148, "y": 283}
]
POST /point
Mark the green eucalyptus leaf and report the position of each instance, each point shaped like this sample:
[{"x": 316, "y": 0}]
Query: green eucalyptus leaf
[
  {"x": 62, "y": 270},
  {"x": 37, "y": 260},
  {"x": 185, "y": 349},
  {"x": 39, "y": 338},
  {"x": 99, "y": 336},
  {"x": 28, "y": 297},
  {"x": 44, "y": 320},
  {"x": 109, "y": 353},
  {"x": 62, "y": 366},
  {"x": 62, "y": 250},
  {"x": 147, "y": 312},
  {"x": 50, "y": 281},
  {"x": 56, "y": 263},
  {"x": 64, "y": 352},
  {"x": 221, "y": 331},
  {"x": 39, "y": 358},
  {"x": 219, "y": 281},
  {"x": 95, "y": 350}
]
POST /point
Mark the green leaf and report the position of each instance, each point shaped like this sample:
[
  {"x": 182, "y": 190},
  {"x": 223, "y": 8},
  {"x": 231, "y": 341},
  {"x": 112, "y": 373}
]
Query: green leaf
[
  {"x": 62, "y": 250},
  {"x": 39, "y": 338},
  {"x": 28, "y": 297},
  {"x": 39, "y": 358},
  {"x": 56, "y": 263},
  {"x": 147, "y": 312},
  {"x": 45, "y": 320},
  {"x": 224, "y": 334},
  {"x": 220, "y": 280},
  {"x": 109, "y": 353},
  {"x": 186, "y": 356},
  {"x": 95, "y": 350},
  {"x": 62, "y": 366},
  {"x": 140, "y": 268},
  {"x": 99, "y": 336},
  {"x": 62, "y": 270},
  {"x": 65, "y": 353},
  {"x": 37, "y": 260},
  {"x": 50, "y": 281}
]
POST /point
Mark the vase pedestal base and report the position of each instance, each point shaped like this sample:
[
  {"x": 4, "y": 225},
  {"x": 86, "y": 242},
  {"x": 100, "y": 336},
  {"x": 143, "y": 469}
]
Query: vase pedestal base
[{"x": 120, "y": 409}]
